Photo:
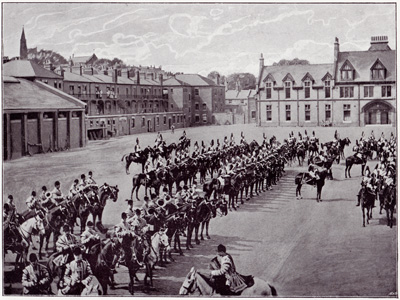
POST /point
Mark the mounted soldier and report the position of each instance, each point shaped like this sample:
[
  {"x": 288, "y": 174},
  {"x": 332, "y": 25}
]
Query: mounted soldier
[
  {"x": 242, "y": 139},
  {"x": 74, "y": 189},
  {"x": 226, "y": 143},
  {"x": 56, "y": 195},
  {"x": 89, "y": 237},
  {"x": 196, "y": 150},
  {"x": 65, "y": 244},
  {"x": 232, "y": 142},
  {"x": 82, "y": 182},
  {"x": 90, "y": 180},
  {"x": 36, "y": 278}
]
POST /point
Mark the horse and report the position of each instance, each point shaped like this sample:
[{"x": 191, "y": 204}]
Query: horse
[
  {"x": 299, "y": 180},
  {"x": 182, "y": 145},
  {"x": 132, "y": 248},
  {"x": 195, "y": 284},
  {"x": 390, "y": 203},
  {"x": 139, "y": 158},
  {"x": 158, "y": 240},
  {"x": 18, "y": 238},
  {"x": 354, "y": 160},
  {"x": 301, "y": 154},
  {"x": 342, "y": 143},
  {"x": 137, "y": 181},
  {"x": 104, "y": 193},
  {"x": 103, "y": 259},
  {"x": 87, "y": 202},
  {"x": 55, "y": 218},
  {"x": 367, "y": 199}
]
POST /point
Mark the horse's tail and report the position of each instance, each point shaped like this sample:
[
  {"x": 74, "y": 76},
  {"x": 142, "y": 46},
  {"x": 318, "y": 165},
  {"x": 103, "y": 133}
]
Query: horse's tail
[
  {"x": 273, "y": 290},
  {"x": 123, "y": 157}
]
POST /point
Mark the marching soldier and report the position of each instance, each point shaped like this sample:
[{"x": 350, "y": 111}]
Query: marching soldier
[{"x": 35, "y": 278}]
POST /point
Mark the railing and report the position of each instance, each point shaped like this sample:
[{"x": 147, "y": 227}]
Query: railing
[{"x": 103, "y": 96}]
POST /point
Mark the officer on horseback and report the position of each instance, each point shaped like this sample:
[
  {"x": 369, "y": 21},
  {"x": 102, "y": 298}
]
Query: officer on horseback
[
  {"x": 89, "y": 237},
  {"x": 137, "y": 149}
]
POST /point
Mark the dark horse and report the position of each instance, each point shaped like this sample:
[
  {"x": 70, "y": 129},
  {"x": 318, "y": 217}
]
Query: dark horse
[
  {"x": 301, "y": 154},
  {"x": 354, "y": 160},
  {"x": 306, "y": 178},
  {"x": 139, "y": 158},
  {"x": 367, "y": 199},
  {"x": 105, "y": 192},
  {"x": 390, "y": 203}
]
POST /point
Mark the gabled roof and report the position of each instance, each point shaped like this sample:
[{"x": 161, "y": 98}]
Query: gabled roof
[
  {"x": 238, "y": 95},
  {"x": 327, "y": 76},
  {"x": 172, "y": 81},
  {"x": 288, "y": 77},
  {"x": 82, "y": 59},
  {"x": 347, "y": 63},
  {"x": 196, "y": 80},
  {"x": 27, "y": 69},
  {"x": 36, "y": 95},
  {"x": 308, "y": 77},
  {"x": 378, "y": 65},
  {"x": 317, "y": 71},
  {"x": 269, "y": 77},
  {"x": 364, "y": 60}
]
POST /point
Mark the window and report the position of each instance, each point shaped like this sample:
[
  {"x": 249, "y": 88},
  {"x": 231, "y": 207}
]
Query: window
[
  {"x": 307, "y": 88},
  {"x": 204, "y": 106},
  {"x": 347, "y": 92},
  {"x": 196, "y": 106},
  {"x": 346, "y": 112},
  {"x": 288, "y": 116},
  {"x": 368, "y": 91},
  {"x": 165, "y": 120},
  {"x": 71, "y": 89},
  {"x": 190, "y": 97},
  {"x": 197, "y": 118},
  {"x": 287, "y": 89},
  {"x": 253, "y": 114},
  {"x": 196, "y": 92},
  {"x": 158, "y": 121},
  {"x": 347, "y": 72},
  {"x": 55, "y": 84},
  {"x": 143, "y": 122},
  {"x": 242, "y": 101},
  {"x": 204, "y": 118},
  {"x": 172, "y": 91},
  {"x": 79, "y": 90},
  {"x": 327, "y": 112},
  {"x": 133, "y": 123},
  {"x": 268, "y": 92},
  {"x": 327, "y": 88},
  {"x": 173, "y": 120},
  {"x": 386, "y": 91},
  {"x": 59, "y": 85},
  {"x": 269, "y": 112},
  {"x": 307, "y": 112},
  {"x": 378, "y": 71},
  {"x": 127, "y": 91}
]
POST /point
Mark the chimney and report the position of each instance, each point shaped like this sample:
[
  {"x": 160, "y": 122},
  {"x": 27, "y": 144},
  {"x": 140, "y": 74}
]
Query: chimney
[
  {"x": 379, "y": 43},
  {"x": 138, "y": 77},
  {"x": 62, "y": 71},
  {"x": 335, "y": 56},
  {"x": 80, "y": 70},
  {"x": 261, "y": 62},
  {"x": 114, "y": 75},
  {"x": 152, "y": 76},
  {"x": 161, "y": 79},
  {"x": 91, "y": 71},
  {"x": 217, "y": 79}
]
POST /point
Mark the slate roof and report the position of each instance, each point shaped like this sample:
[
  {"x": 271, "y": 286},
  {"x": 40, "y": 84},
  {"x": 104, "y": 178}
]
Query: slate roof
[
  {"x": 36, "y": 95},
  {"x": 297, "y": 72},
  {"x": 172, "y": 81},
  {"x": 27, "y": 69},
  {"x": 82, "y": 59},
  {"x": 362, "y": 61},
  {"x": 234, "y": 94}
]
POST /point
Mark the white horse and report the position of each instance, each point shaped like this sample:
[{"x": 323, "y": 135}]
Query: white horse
[
  {"x": 21, "y": 238},
  {"x": 158, "y": 240},
  {"x": 196, "y": 285}
]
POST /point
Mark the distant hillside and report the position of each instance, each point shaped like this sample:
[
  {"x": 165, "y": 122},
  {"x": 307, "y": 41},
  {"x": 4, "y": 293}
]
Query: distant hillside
[{"x": 42, "y": 55}]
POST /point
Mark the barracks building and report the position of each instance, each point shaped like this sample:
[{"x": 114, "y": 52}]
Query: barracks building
[{"x": 357, "y": 89}]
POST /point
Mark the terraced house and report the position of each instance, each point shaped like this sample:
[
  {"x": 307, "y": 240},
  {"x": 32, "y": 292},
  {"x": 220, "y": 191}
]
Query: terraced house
[{"x": 357, "y": 89}]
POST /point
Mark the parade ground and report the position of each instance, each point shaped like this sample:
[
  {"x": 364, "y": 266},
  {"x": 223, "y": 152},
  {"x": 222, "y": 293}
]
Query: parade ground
[{"x": 303, "y": 248}]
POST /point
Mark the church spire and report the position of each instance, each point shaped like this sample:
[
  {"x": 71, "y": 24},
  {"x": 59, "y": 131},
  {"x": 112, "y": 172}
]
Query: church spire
[{"x": 23, "y": 49}]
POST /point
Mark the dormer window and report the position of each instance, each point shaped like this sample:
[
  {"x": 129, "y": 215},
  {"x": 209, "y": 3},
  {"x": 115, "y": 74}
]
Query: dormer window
[
  {"x": 307, "y": 89},
  {"x": 287, "y": 89},
  {"x": 268, "y": 89},
  {"x": 347, "y": 71},
  {"x": 327, "y": 88},
  {"x": 378, "y": 71}
]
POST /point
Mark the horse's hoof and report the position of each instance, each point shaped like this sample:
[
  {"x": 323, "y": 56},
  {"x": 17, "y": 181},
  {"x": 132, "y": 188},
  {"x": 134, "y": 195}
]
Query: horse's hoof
[
  {"x": 202, "y": 238},
  {"x": 208, "y": 237},
  {"x": 197, "y": 242}
]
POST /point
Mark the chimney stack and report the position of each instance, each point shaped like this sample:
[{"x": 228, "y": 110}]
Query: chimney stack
[
  {"x": 62, "y": 71},
  {"x": 80, "y": 70},
  {"x": 379, "y": 43},
  {"x": 114, "y": 75},
  {"x": 137, "y": 77},
  {"x": 152, "y": 76},
  {"x": 336, "y": 51}
]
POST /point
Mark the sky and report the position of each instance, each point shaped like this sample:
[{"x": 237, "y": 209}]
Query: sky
[{"x": 197, "y": 38}]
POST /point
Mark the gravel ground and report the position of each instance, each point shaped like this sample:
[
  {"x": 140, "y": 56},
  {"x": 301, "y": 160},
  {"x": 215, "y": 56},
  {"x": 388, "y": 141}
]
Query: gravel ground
[{"x": 304, "y": 248}]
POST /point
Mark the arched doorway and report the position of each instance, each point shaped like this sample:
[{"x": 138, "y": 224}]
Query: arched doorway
[{"x": 378, "y": 112}]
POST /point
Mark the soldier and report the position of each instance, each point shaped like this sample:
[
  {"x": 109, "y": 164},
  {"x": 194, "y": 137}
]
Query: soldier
[
  {"x": 32, "y": 204},
  {"x": 82, "y": 183},
  {"x": 74, "y": 189},
  {"x": 78, "y": 275},
  {"x": 89, "y": 237},
  {"x": 129, "y": 211},
  {"x": 313, "y": 139},
  {"x": 196, "y": 150},
  {"x": 137, "y": 148},
  {"x": 123, "y": 226},
  {"x": 232, "y": 140},
  {"x": 90, "y": 180},
  {"x": 66, "y": 242},
  {"x": 242, "y": 140},
  {"x": 179, "y": 200},
  {"x": 56, "y": 195},
  {"x": 183, "y": 137},
  {"x": 35, "y": 278},
  {"x": 313, "y": 171},
  {"x": 226, "y": 143}
]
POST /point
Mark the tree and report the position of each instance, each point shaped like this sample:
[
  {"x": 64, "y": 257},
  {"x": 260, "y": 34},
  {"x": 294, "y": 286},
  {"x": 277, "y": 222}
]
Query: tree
[
  {"x": 245, "y": 81},
  {"x": 295, "y": 61},
  {"x": 213, "y": 75}
]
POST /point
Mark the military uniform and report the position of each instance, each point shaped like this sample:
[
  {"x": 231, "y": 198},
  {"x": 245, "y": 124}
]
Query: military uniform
[{"x": 35, "y": 279}]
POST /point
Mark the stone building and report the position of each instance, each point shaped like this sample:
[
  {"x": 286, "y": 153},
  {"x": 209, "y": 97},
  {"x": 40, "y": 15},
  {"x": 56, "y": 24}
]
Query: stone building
[{"x": 357, "y": 89}]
